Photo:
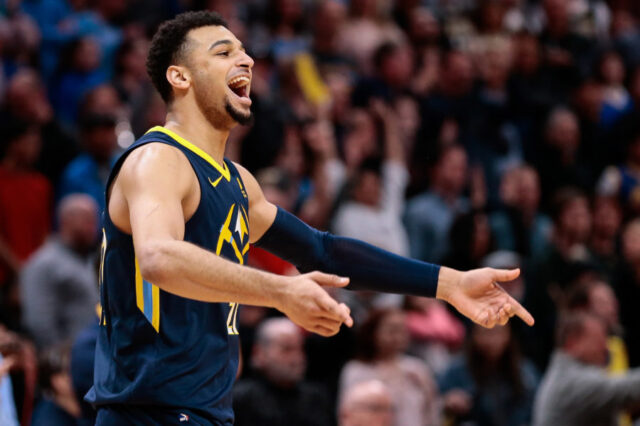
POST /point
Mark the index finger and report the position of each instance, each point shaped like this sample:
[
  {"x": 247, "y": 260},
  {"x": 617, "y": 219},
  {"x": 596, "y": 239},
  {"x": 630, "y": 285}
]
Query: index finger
[
  {"x": 339, "y": 312},
  {"x": 521, "y": 312}
]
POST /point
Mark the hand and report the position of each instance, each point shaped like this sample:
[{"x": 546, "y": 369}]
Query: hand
[
  {"x": 307, "y": 304},
  {"x": 458, "y": 402},
  {"x": 477, "y": 295}
]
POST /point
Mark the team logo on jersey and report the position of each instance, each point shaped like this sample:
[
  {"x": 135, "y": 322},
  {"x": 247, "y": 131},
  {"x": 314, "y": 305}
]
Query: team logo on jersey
[
  {"x": 235, "y": 234},
  {"x": 184, "y": 418}
]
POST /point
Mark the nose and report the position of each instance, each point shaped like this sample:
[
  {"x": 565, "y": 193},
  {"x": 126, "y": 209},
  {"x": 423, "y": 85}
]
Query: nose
[{"x": 245, "y": 61}]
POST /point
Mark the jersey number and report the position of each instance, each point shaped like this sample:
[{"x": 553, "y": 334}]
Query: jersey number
[{"x": 231, "y": 320}]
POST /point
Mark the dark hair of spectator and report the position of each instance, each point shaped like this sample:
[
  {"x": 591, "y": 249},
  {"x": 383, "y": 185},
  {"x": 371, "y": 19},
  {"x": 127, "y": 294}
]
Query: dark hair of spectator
[
  {"x": 384, "y": 51},
  {"x": 367, "y": 349},
  {"x": 562, "y": 198},
  {"x": 13, "y": 130},
  {"x": 507, "y": 367},
  {"x": 571, "y": 325},
  {"x": 169, "y": 42}
]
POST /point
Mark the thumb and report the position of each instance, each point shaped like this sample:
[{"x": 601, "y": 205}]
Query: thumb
[
  {"x": 502, "y": 275},
  {"x": 328, "y": 280}
]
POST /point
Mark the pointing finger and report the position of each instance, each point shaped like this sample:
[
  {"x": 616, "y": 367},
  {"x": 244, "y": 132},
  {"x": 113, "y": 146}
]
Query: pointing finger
[{"x": 521, "y": 312}]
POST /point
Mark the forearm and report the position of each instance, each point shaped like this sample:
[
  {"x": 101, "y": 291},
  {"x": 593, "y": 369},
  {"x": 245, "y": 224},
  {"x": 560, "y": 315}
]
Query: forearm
[
  {"x": 189, "y": 271},
  {"x": 368, "y": 267}
]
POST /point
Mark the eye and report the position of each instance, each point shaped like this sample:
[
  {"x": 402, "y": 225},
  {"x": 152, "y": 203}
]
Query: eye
[{"x": 223, "y": 53}]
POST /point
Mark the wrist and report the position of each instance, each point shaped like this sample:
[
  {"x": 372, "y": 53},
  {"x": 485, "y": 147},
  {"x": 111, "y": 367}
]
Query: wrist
[{"x": 448, "y": 281}]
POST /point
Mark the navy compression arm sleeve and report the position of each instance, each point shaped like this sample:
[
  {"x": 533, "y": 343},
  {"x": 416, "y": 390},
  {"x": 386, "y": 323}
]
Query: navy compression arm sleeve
[{"x": 368, "y": 267}]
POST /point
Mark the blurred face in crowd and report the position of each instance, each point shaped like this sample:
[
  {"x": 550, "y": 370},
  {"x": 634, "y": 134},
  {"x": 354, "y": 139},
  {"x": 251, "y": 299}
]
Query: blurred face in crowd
[
  {"x": 391, "y": 336},
  {"x": 78, "y": 216},
  {"x": 491, "y": 342},
  {"x": 575, "y": 219},
  {"x": 291, "y": 155},
  {"x": 495, "y": 63},
  {"x": 366, "y": 404},
  {"x": 631, "y": 242},
  {"x": 612, "y": 69},
  {"x": 329, "y": 18},
  {"x": 603, "y": 304},
  {"x": 557, "y": 14},
  {"x": 563, "y": 132},
  {"x": 397, "y": 68},
  {"x": 133, "y": 61},
  {"x": 367, "y": 189},
  {"x": 25, "y": 149},
  {"x": 527, "y": 54},
  {"x": 26, "y": 98},
  {"x": 423, "y": 26},
  {"x": 360, "y": 140},
  {"x": 481, "y": 236},
  {"x": 607, "y": 217},
  {"x": 215, "y": 72},
  {"x": 279, "y": 353},
  {"x": 457, "y": 78},
  {"x": 451, "y": 171},
  {"x": 103, "y": 100},
  {"x": 101, "y": 142},
  {"x": 86, "y": 56},
  {"x": 590, "y": 345},
  {"x": 528, "y": 187}
]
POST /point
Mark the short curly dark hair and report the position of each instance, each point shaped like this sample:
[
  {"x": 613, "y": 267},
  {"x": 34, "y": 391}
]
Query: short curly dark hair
[{"x": 169, "y": 42}]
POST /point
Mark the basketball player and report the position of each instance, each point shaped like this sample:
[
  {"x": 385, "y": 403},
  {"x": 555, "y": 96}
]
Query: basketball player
[{"x": 177, "y": 228}]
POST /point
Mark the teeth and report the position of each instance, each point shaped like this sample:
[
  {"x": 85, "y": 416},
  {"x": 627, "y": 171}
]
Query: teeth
[{"x": 238, "y": 82}]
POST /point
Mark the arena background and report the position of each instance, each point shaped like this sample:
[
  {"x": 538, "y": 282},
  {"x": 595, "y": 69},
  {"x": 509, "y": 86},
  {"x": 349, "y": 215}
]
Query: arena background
[{"x": 472, "y": 133}]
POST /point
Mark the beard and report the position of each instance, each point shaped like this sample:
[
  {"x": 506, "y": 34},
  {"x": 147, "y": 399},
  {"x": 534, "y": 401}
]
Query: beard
[{"x": 237, "y": 116}]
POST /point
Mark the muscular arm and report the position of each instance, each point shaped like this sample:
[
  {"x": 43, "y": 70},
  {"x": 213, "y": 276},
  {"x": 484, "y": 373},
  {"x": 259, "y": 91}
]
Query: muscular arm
[
  {"x": 475, "y": 293},
  {"x": 150, "y": 196}
]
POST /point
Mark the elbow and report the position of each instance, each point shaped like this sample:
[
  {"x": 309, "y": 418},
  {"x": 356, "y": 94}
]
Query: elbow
[{"x": 152, "y": 262}]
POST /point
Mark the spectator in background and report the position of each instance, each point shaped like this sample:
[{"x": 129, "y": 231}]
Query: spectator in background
[
  {"x": 558, "y": 161},
  {"x": 492, "y": 384},
  {"x": 597, "y": 298},
  {"x": 25, "y": 202},
  {"x": 469, "y": 241},
  {"x": 627, "y": 287},
  {"x": 616, "y": 100},
  {"x": 383, "y": 340},
  {"x": 374, "y": 210},
  {"x": 78, "y": 72},
  {"x": 366, "y": 404},
  {"x": 18, "y": 376},
  {"x": 575, "y": 389},
  {"x": 26, "y": 100},
  {"x": 88, "y": 172},
  {"x": 429, "y": 216},
  {"x": 519, "y": 225},
  {"x": 623, "y": 180},
  {"x": 368, "y": 26},
  {"x": 436, "y": 334},
  {"x": 59, "y": 405},
  {"x": 554, "y": 269},
  {"x": 58, "y": 285},
  {"x": 279, "y": 395},
  {"x": 607, "y": 223}
]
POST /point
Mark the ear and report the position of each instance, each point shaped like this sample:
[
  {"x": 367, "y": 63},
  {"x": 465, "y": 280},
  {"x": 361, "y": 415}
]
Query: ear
[{"x": 179, "y": 77}]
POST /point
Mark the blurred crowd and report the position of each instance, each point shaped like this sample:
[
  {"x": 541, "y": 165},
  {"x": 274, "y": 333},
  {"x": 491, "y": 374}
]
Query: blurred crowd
[{"x": 472, "y": 133}]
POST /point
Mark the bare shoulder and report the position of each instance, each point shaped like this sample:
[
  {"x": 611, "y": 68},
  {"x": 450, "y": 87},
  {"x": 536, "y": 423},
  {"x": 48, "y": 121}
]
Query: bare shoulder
[{"x": 159, "y": 166}]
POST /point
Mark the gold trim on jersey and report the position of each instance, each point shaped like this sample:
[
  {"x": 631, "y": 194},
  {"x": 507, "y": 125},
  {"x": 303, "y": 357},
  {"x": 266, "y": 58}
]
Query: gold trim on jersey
[{"x": 224, "y": 170}]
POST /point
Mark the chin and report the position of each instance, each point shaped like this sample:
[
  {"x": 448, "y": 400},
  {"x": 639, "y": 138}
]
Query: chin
[{"x": 239, "y": 115}]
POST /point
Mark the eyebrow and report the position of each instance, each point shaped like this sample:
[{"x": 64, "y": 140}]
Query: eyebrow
[{"x": 225, "y": 41}]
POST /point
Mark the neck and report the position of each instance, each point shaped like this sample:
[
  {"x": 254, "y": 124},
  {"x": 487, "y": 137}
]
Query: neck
[{"x": 195, "y": 128}]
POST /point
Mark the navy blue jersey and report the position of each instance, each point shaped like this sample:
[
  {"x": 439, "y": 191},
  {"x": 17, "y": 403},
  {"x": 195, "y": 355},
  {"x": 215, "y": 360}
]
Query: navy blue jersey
[{"x": 156, "y": 348}]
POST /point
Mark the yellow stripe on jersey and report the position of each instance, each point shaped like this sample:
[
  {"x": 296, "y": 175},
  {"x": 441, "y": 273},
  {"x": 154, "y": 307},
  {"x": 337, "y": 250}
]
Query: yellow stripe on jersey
[{"x": 224, "y": 170}]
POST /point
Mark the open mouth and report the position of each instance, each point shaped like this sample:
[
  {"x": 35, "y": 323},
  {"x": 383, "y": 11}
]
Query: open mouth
[{"x": 240, "y": 86}]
